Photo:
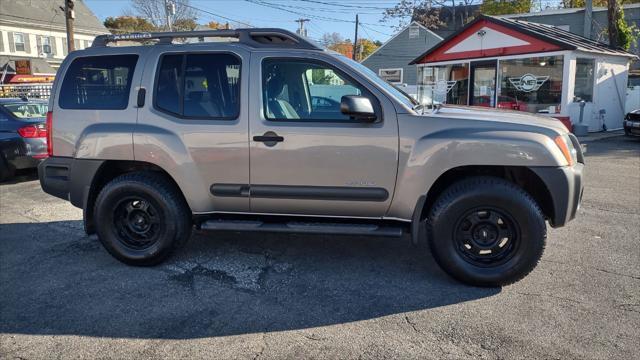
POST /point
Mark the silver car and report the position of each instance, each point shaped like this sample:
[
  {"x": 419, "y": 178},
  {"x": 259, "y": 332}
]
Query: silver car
[{"x": 269, "y": 132}]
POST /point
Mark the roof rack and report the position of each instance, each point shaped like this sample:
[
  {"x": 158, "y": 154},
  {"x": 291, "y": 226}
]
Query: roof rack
[{"x": 255, "y": 37}]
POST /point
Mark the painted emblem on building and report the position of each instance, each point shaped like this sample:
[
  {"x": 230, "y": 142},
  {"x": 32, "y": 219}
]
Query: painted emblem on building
[{"x": 528, "y": 82}]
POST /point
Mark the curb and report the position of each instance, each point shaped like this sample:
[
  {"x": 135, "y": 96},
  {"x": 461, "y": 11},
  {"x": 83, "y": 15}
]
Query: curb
[{"x": 600, "y": 136}]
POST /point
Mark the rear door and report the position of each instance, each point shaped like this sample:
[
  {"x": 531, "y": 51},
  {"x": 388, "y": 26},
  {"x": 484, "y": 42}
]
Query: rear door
[
  {"x": 326, "y": 163},
  {"x": 194, "y": 124}
]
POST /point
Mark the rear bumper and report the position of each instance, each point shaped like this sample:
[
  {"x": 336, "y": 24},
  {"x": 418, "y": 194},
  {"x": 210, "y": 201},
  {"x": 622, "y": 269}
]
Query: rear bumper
[
  {"x": 68, "y": 178},
  {"x": 566, "y": 186},
  {"x": 23, "y": 153}
]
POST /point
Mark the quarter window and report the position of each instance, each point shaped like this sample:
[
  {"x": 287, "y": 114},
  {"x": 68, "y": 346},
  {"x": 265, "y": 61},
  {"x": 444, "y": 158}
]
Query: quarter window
[
  {"x": 306, "y": 91},
  {"x": 98, "y": 82},
  {"x": 201, "y": 86}
]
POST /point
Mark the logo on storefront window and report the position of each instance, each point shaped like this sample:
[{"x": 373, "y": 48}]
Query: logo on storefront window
[
  {"x": 528, "y": 82},
  {"x": 441, "y": 86}
]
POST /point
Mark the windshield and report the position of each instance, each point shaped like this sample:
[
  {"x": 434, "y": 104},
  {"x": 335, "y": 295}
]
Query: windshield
[
  {"x": 399, "y": 94},
  {"x": 27, "y": 110}
]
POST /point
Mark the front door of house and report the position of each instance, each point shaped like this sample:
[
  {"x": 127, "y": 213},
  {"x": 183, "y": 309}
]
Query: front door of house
[{"x": 483, "y": 83}]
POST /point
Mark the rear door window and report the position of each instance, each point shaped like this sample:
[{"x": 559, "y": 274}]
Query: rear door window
[
  {"x": 199, "y": 86},
  {"x": 98, "y": 83}
]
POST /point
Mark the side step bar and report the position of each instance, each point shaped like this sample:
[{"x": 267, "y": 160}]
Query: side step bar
[{"x": 302, "y": 227}]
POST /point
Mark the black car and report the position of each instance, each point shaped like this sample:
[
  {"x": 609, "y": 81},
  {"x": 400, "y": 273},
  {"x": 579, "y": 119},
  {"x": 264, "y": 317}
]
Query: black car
[
  {"x": 23, "y": 134},
  {"x": 632, "y": 123}
]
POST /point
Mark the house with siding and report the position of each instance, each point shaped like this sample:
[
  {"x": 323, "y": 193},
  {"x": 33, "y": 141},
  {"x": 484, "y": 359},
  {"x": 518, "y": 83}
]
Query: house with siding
[
  {"x": 391, "y": 60},
  {"x": 34, "y": 30}
]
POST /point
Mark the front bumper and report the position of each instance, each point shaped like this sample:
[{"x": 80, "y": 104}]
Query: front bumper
[
  {"x": 632, "y": 127},
  {"x": 566, "y": 186}
]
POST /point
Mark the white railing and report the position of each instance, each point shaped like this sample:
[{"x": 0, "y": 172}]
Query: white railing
[{"x": 32, "y": 91}]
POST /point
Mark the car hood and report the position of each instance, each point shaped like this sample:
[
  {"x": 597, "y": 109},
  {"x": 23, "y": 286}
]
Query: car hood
[{"x": 496, "y": 115}]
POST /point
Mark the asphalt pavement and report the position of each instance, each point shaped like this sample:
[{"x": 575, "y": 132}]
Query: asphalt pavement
[{"x": 232, "y": 295}]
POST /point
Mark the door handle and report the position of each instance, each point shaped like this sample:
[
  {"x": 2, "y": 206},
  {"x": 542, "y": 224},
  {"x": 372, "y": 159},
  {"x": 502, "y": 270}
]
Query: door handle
[{"x": 269, "y": 138}]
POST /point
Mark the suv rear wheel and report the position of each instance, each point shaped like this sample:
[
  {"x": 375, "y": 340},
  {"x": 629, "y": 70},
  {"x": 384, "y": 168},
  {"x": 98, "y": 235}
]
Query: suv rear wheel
[
  {"x": 486, "y": 231},
  {"x": 141, "y": 218}
]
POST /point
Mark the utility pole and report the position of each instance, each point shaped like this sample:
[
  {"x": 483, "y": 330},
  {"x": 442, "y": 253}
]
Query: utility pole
[
  {"x": 301, "y": 30},
  {"x": 588, "y": 18},
  {"x": 612, "y": 17},
  {"x": 169, "y": 11},
  {"x": 69, "y": 15},
  {"x": 355, "y": 42}
]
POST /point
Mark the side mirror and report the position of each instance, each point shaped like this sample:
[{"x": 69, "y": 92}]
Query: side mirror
[{"x": 358, "y": 107}]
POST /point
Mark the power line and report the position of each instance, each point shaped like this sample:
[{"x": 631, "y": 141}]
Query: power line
[{"x": 217, "y": 15}]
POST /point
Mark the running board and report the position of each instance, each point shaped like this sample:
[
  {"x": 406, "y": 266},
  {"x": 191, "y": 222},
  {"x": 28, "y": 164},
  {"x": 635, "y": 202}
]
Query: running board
[{"x": 302, "y": 227}]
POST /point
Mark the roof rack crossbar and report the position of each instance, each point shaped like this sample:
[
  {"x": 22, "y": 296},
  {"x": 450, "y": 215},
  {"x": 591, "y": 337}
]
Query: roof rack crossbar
[{"x": 256, "y": 37}]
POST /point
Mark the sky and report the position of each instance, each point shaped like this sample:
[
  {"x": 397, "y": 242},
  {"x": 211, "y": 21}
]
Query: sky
[{"x": 326, "y": 16}]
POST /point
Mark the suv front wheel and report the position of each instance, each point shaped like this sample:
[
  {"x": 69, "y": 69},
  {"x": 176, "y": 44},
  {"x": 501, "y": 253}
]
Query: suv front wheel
[
  {"x": 486, "y": 231},
  {"x": 141, "y": 218}
]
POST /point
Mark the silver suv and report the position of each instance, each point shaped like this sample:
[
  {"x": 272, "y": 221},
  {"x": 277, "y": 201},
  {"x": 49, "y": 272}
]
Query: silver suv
[{"x": 269, "y": 132}]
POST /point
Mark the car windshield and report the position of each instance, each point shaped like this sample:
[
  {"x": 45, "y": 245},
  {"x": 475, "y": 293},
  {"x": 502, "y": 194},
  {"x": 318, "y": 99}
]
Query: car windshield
[
  {"x": 399, "y": 94},
  {"x": 27, "y": 110}
]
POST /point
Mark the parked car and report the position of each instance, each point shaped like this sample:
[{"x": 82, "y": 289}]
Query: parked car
[
  {"x": 632, "y": 123},
  {"x": 504, "y": 102},
  {"x": 152, "y": 140},
  {"x": 23, "y": 136}
]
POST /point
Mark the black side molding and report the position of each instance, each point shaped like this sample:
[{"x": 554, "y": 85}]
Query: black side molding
[{"x": 339, "y": 193}]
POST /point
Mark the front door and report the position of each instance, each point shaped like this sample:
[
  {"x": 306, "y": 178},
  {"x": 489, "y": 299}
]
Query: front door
[
  {"x": 483, "y": 84},
  {"x": 306, "y": 157}
]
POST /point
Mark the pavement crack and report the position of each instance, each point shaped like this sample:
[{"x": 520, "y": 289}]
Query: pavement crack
[
  {"x": 412, "y": 324},
  {"x": 618, "y": 274},
  {"x": 262, "y": 348},
  {"x": 550, "y": 296}
]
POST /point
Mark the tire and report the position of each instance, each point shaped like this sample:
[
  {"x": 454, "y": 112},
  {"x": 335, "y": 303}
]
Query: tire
[
  {"x": 468, "y": 225},
  {"x": 6, "y": 170},
  {"x": 141, "y": 218}
]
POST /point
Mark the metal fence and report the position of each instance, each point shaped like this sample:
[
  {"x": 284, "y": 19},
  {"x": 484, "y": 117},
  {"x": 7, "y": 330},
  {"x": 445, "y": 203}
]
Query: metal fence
[{"x": 32, "y": 91}]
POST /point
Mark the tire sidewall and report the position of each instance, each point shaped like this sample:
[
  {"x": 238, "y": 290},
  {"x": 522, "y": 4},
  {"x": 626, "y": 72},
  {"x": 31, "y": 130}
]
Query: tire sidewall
[{"x": 529, "y": 223}]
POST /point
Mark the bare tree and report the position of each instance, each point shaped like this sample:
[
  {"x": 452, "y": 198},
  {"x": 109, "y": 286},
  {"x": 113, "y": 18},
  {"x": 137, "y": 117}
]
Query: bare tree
[{"x": 154, "y": 11}]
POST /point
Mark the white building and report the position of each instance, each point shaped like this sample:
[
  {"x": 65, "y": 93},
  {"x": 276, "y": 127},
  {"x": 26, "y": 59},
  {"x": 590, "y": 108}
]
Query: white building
[{"x": 35, "y": 30}]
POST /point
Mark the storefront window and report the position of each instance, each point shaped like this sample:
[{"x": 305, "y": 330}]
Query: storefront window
[
  {"x": 443, "y": 84},
  {"x": 583, "y": 85},
  {"x": 532, "y": 84}
]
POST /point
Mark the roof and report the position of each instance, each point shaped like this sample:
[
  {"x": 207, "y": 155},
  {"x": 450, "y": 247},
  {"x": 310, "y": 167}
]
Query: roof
[
  {"x": 560, "y": 39},
  {"x": 48, "y": 14},
  {"x": 397, "y": 34},
  {"x": 38, "y": 65},
  {"x": 565, "y": 11}
]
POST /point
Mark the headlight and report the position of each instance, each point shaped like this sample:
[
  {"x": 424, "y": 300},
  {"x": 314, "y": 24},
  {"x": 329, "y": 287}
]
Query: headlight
[{"x": 566, "y": 147}]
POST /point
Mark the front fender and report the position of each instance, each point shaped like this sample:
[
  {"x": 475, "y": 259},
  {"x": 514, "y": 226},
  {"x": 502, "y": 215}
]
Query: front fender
[{"x": 425, "y": 159}]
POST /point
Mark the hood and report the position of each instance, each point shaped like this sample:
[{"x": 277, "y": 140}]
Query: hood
[{"x": 498, "y": 115}]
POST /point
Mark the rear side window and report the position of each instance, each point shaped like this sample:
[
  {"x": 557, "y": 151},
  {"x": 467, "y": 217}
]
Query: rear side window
[
  {"x": 98, "y": 83},
  {"x": 199, "y": 86}
]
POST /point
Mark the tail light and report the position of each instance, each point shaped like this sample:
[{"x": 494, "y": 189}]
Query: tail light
[
  {"x": 49, "y": 130},
  {"x": 32, "y": 131}
]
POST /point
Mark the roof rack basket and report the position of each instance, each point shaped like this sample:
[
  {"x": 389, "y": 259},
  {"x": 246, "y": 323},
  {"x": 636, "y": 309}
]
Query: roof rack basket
[{"x": 256, "y": 37}]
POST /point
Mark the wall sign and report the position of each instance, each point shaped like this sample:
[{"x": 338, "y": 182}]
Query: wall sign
[
  {"x": 23, "y": 67},
  {"x": 528, "y": 82}
]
